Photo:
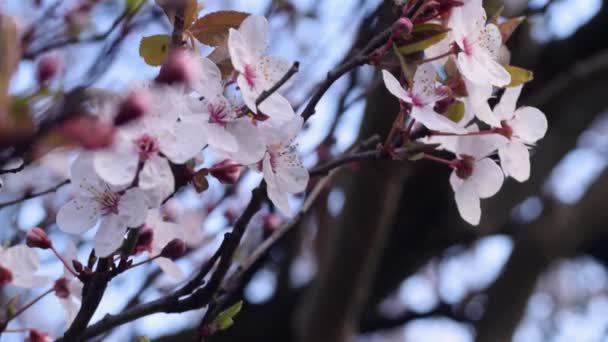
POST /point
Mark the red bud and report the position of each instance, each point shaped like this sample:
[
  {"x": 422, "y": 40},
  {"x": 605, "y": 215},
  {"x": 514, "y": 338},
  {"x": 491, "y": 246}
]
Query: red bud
[
  {"x": 48, "y": 67},
  {"x": 180, "y": 67},
  {"x": 144, "y": 240},
  {"x": 37, "y": 238},
  {"x": 227, "y": 171},
  {"x": 132, "y": 108},
  {"x": 61, "y": 288},
  {"x": 174, "y": 249}
]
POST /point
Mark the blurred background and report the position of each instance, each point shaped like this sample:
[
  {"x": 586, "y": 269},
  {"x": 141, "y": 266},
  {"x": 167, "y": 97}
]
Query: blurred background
[{"x": 534, "y": 269}]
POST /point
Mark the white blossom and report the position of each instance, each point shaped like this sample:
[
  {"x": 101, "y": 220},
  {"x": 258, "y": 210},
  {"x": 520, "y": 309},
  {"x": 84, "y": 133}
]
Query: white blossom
[
  {"x": 163, "y": 233},
  {"x": 18, "y": 265}
]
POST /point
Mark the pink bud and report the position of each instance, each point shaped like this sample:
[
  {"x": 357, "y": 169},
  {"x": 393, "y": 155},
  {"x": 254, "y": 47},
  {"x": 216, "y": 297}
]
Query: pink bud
[
  {"x": 6, "y": 276},
  {"x": 61, "y": 288},
  {"x": 272, "y": 222},
  {"x": 38, "y": 336},
  {"x": 180, "y": 67},
  {"x": 402, "y": 27},
  {"x": 48, "y": 67},
  {"x": 174, "y": 249},
  {"x": 144, "y": 240},
  {"x": 227, "y": 171},
  {"x": 132, "y": 108},
  {"x": 37, "y": 238}
]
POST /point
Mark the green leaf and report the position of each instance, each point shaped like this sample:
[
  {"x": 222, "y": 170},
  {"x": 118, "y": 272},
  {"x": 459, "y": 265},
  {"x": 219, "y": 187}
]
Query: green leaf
[
  {"x": 142, "y": 339},
  {"x": 131, "y": 5},
  {"x": 519, "y": 75},
  {"x": 11, "y": 306},
  {"x": 424, "y": 36},
  {"x": 155, "y": 49},
  {"x": 508, "y": 27},
  {"x": 225, "y": 319},
  {"x": 456, "y": 111},
  {"x": 416, "y": 156}
]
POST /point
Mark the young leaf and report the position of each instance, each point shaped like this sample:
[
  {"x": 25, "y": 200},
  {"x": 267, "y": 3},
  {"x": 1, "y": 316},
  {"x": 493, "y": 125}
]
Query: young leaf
[
  {"x": 155, "y": 49},
  {"x": 225, "y": 319},
  {"x": 519, "y": 75},
  {"x": 212, "y": 29},
  {"x": 424, "y": 36},
  {"x": 508, "y": 27},
  {"x": 456, "y": 111}
]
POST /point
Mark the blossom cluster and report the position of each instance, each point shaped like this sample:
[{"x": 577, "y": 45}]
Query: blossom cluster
[{"x": 471, "y": 73}]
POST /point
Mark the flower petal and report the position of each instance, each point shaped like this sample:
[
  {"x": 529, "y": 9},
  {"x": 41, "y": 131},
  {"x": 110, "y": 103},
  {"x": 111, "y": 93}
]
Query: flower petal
[
  {"x": 425, "y": 84},
  {"x": 505, "y": 109},
  {"x": 468, "y": 204},
  {"x": 117, "y": 166},
  {"x": 132, "y": 207},
  {"x": 529, "y": 124},
  {"x": 170, "y": 268},
  {"x": 156, "y": 180},
  {"x": 277, "y": 107},
  {"x": 280, "y": 199},
  {"x": 239, "y": 51},
  {"x": 515, "y": 160},
  {"x": 254, "y": 30},
  {"x": 110, "y": 235},
  {"x": 273, "y": 69},
  {"x": 185, "y": 140},
  {"x": 394, "y": 87},
  {"x": 436, "y": 122},
  {"x": 219, "y": 137},
  {"x": 210, "y": 83},
  {"x": 487, "y": 177},
  {"x": 83, "y": 176},
  {"x": 78, "y": 215}
]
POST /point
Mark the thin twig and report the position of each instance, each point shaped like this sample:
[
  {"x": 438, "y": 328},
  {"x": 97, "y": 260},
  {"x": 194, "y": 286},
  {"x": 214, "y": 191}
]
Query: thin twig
[{"x": 35, "y": 194}]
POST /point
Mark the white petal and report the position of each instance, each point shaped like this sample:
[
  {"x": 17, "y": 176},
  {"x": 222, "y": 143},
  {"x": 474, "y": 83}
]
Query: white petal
[
  {"x": 69, "y": 254},
  {"x": 529, "y": 124},
  {"x": 78, "y": 215},
  {"x": 27, "y": 281},
  {"x": 455, "y": 181},
  {"x": 267, "y": 170},
  {"x": 117, "y": 167},
  {"x": 495, "y": 73},
  {"x": 468, "y": 203},
  {"x": 515, "y": 160},
  {"x": 185, "y": 140},
  {"x": 480, "y": 146},
  {"x": 277, "y": 107},
  {"x": 83, "y": 176},
  {"x": 132, "y": 207},
  {"x": 291, "y": 175},
  {"x": 239, "y": 52},
  {"x": 210, "y": 82},
  {"x": 170, "y": 268},
  {"x": 21, "y": 259},
  {"x": 156, "y": 180},
  {"x": 478, "y": 101},
  {"x": 505, "y": 109},
  {"x": 249, "y": 94},
  {"x": 219, "y": 137},
  {"x": 491, "y": 40},
  {"x": 487, "y": 177},
  {"x": 273, "y": 69},
  {"x": 70, "y": 307},
  {"x": 254, "y": 30},
  {"x": 251, "y": 147},
  {"x": 279, "y": 199},
  {"x": 436, "y": 122},
  {"x": 110, "y": 235},
  {"x": 425, "y": 83},
  {"x": 394, "y": 87}
]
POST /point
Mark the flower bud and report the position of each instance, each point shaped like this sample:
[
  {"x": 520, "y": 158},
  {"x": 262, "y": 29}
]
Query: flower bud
[
  {"x": 464, "y": 166},
  {"x": 180, "y": 67},
  {"x": 78, "y": 267},
  {"x": 37, "y": 238},
  {"x": 144, "y": 240},
  {"x": 61, "y": 288},
  {"x": 48, "y": 67},
  {"x": 6, "y": 276},
  {"x": 227, "y": 171},
  {"x": 174, "y": 249},
  {"x": 132, "y": 108},
  {"x": 402, "y": 27},
  {"x": 38, "y": 336},
  {"x": 272, "y": 222}
]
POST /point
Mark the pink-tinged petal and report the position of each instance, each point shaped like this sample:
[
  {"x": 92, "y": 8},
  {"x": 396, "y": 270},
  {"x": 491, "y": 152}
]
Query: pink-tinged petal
[
  {"x": 515, "y": 160},
  {"x": 78, "y": 215},
  {"x": 210, "y": 83},
  {"x": 249, "y": 94},
  {"x": 185, "y": 140},
  {"x": 291, "y": 175},
  {"x": 436, "y": 122},
  {"x": 468, "y": 204},
  {"x": 394, "y": 87},
  {"x": 487, "y": 177},
  {"x": 273, "y": 69},
  {"x": 491, "y": 40},
  {"x": 505, "y": 109},
  {"x": 254, "y": 30},
  {"x": 132, "y": 207},
  {"x": 529, "y": 124},
  {"x": 219, "y": 137},
  {"x": 425, "y": 84},
  {"x": 83, "y": 176},
  {"x": 269, "y": 173},
  {"x": 170, "y": 268},
  {"x": 117, "y": 167},
  {"x": 280, "y": 199},
  {"x": 469, "y": 68},
  {"x": 277, "y": 107},
  {"x": 239, "y": 51},
  {"x": 110, "y": 235},
  {"x": 156, "y": 180}
]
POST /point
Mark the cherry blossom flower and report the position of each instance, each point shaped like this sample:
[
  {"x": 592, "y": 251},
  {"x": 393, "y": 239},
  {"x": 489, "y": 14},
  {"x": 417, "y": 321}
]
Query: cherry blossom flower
[
  {"x": 423, "y": 97},
  {"x": 169, "y": 128},
  {"x": 163, "y": 233},
  {"x": 475, "y": 176},
  {"x": 68, "y": 289},
  {"x": 282, "y": 167},
  {"x": 480, "y": 45},
  {"x": 18, "y": 265},
  {"x": 116, "y": 207},
  {"x": 257, "y": 72},
  {"x": 523, "y": 126}
]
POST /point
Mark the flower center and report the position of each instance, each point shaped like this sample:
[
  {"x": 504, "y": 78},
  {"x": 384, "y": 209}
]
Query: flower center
[
  {"x": 464, "y": 166},
  {"x": 217, "y": 114},
  {"x": 249, "y": 74},
  {"x": 147, "y": 146},
  {"x": 467, "y": 46},
  {"x": 109, "y": 202},
  {"x": 417, "y": 101},
  {"x": 6, "y": 276}
]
